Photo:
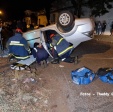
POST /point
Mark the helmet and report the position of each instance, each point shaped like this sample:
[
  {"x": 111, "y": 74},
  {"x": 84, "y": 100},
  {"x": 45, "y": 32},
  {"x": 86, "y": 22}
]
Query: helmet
[
  {"x": 18, "y": 30},
  {"x": 52, "y": 35}
]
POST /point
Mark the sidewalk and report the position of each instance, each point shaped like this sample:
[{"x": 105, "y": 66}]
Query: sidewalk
[{"x": 105, "y": 38}]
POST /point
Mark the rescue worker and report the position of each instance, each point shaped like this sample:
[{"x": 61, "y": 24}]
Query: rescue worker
[
  {"x": 62, "y": 49},
  {"x": 40, "y": 54},
  {"x": 18, "y": 46}
]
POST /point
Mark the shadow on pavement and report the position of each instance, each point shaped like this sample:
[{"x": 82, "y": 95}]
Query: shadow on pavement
[{"x": 90, "y": 47}]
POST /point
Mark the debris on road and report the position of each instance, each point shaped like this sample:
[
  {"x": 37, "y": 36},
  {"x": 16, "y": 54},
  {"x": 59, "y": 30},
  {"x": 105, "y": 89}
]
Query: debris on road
[{"x": 61, "y": 66}]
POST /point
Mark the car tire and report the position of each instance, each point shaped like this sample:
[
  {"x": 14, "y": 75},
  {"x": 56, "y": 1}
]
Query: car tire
[{"x": 65, "y": 19}]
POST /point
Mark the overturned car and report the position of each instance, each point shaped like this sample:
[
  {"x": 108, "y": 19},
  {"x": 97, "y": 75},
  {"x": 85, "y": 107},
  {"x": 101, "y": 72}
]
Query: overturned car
[{"x": 74, "y": 30}]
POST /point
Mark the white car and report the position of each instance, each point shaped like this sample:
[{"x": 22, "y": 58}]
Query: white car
[{"x": 74, "y": 30}]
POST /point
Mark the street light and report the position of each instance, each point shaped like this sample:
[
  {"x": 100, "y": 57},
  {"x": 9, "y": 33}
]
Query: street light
[{"x": 0, "y": 14}]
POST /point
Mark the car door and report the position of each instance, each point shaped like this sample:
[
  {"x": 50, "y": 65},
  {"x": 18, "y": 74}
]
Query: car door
[
  {"x": 44, "y": 43},
  {"x": 32, "y": 37}
]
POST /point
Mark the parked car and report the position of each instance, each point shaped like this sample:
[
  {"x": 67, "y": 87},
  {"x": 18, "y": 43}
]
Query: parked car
[{"x": 74, "y": 30}]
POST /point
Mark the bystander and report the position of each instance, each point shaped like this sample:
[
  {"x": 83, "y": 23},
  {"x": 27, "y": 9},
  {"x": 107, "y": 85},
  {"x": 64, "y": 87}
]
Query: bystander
[{"x": 111, "y": 29}]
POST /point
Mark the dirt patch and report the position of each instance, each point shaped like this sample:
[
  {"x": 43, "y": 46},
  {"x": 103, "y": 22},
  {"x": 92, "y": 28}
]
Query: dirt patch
[{"x": 22, "y": 91}]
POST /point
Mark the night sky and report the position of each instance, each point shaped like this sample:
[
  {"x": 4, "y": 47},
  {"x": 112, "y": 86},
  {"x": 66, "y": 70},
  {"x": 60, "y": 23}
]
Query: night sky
[{"x": 14, "y": 9}]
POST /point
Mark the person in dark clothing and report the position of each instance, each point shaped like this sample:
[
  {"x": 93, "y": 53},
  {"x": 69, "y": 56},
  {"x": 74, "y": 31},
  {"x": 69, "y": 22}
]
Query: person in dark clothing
[
  {"x": 18, "y": 46},
  {"x": 61, "y": 49},
  {"x": 14, "y": 26},
  {"x": 103, "y": 27},
  {"x": 19, "y": 24},
  {"x": 40, "y": 53},
  {"x": 111, "y": 29},
  {"x": 31, "y": 27},
  {"x": 24, "y": 26},
  {"x": 99, "y": 28}
]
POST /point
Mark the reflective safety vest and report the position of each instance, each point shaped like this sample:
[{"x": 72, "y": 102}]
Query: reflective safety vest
[
  {"x": 62, "y": 46},
  {"x": 17, "y": 47}
]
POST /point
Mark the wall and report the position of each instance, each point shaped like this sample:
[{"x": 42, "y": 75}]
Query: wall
[
  {"x": 53, "y": 17},
  {"x": 42, "y": 20}
]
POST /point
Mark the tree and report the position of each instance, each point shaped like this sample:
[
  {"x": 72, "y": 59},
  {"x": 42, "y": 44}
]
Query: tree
[
  {"x": 47, "y": 10},
  {"x": 99, "y": 7},
  {"x": 78, "y": 4}
]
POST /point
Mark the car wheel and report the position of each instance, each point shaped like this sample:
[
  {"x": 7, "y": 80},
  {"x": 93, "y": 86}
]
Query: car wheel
[{"x": 65, "y": 21}]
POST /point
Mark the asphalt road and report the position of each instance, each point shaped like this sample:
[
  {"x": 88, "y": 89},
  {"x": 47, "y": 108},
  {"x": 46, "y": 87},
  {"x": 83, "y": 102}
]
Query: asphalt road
[{"x": 69, "y": 97}]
